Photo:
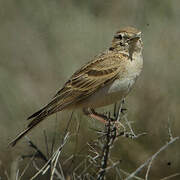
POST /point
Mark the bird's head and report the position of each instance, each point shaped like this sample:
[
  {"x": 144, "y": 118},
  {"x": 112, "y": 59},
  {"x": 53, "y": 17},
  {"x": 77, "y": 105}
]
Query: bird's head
[{"x": 126, "y": 39}]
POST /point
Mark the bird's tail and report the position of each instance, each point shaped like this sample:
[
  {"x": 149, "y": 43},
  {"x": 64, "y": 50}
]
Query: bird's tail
[
  {"x": 31, "y": 125},
  {"x": 37, "y": 117}
]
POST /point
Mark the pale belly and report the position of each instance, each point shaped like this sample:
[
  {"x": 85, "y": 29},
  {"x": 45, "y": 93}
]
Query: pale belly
[{"x": 109, "y": 94}]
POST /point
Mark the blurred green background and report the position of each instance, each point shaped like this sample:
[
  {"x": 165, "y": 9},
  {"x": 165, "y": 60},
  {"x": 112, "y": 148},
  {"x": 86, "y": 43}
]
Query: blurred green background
[{"x": 43, "y": 42}]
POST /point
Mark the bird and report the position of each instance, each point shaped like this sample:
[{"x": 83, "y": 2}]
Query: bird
[{"x": 104, "y": 80}]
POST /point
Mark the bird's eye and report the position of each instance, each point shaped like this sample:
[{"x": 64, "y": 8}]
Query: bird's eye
[{"x": 120, "y": 36}]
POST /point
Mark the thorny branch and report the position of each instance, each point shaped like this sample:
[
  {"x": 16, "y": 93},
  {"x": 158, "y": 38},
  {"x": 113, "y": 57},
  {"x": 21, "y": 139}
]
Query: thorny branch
[
  {"x": 110, "y": 137},
  {"x": 96, "y": 166},
  {"x": 110, "y": 134}
]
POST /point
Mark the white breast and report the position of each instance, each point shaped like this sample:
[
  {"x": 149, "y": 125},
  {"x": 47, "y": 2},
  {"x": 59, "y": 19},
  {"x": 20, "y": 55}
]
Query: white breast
[{"x": 109, "y": 94}]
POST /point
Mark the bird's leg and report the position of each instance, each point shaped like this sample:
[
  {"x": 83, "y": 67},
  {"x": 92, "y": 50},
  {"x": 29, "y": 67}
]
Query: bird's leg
[
  {"x": 100, "y": 117},
  {"x": 91, "y": 113}
]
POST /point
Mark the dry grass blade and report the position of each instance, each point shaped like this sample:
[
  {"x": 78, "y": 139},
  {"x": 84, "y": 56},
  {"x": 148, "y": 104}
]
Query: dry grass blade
[
  {"x": 44, "y": 169},
  {"x": 152, "y": 158},
  {"x": 27, "y": 166},
  {"x": 171, "y": 176}
]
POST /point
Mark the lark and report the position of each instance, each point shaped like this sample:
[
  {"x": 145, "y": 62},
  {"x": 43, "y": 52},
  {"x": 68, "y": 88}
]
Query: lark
[{"x": 104, "y": 80}]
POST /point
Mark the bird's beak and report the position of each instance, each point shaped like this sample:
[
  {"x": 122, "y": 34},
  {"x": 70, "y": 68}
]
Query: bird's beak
[{"x": 135, "y": 37}]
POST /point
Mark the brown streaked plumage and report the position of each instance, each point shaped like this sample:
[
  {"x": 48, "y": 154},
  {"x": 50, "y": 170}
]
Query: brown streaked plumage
[{"x": 102, "y": 81}]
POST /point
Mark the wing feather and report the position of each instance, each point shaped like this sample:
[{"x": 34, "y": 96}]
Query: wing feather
[{"x": 91, "y": 77}]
